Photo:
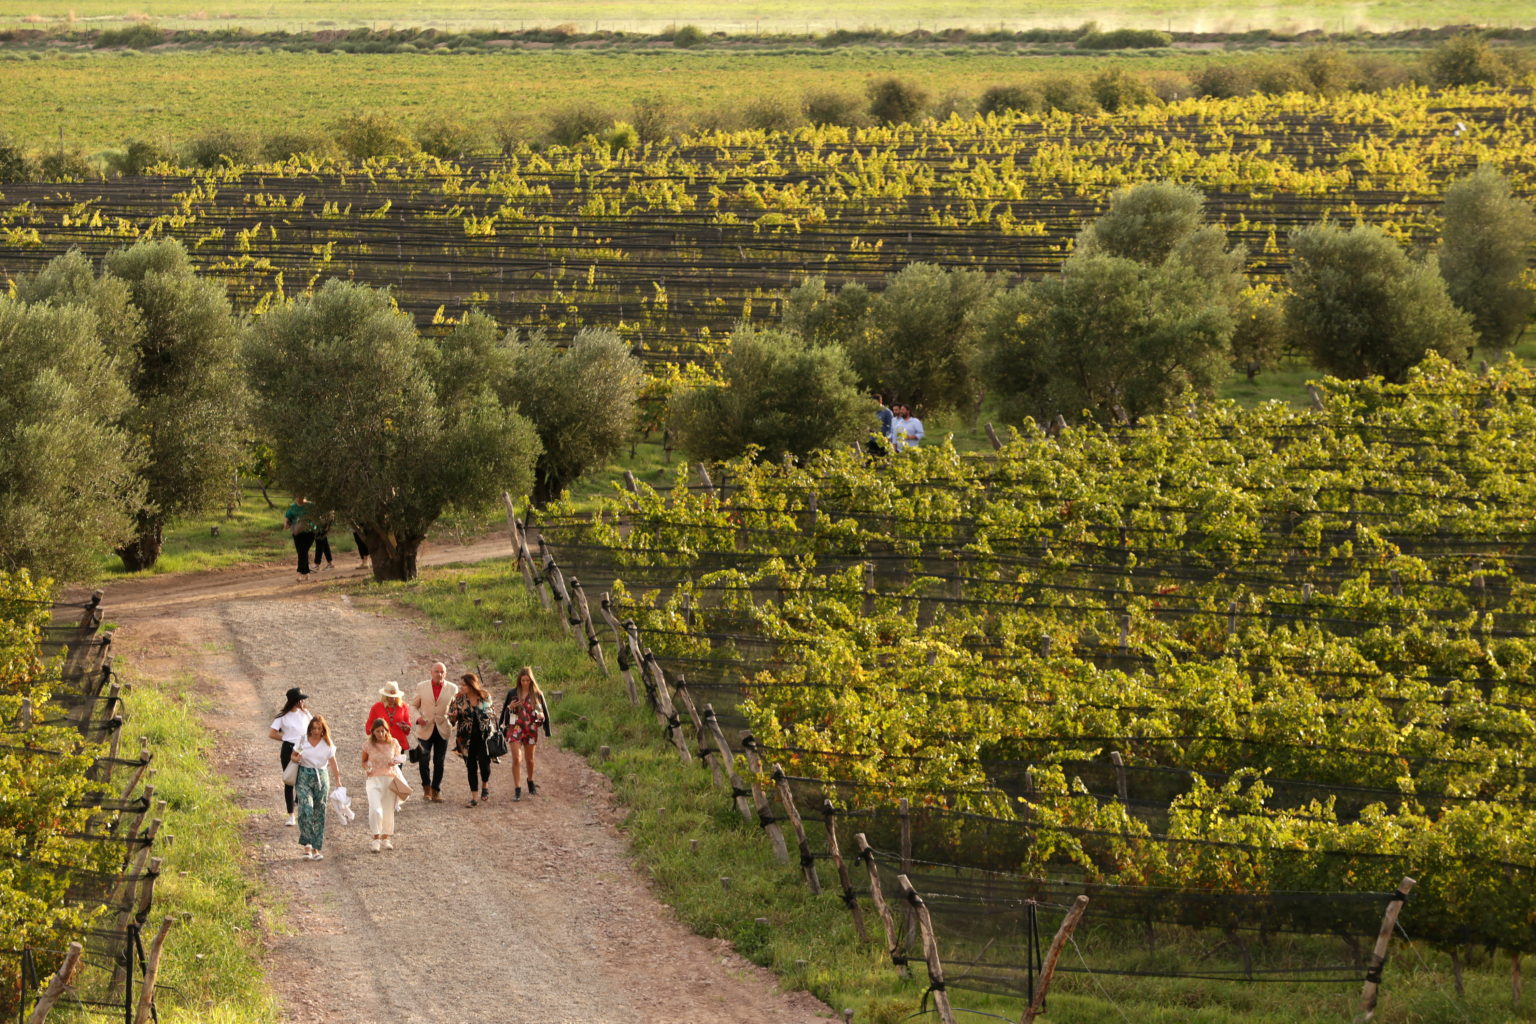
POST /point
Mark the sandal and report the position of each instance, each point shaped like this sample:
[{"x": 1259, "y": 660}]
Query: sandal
[
  {"x": 472, "y": 802},
  {"x": 485, "y": 795}
]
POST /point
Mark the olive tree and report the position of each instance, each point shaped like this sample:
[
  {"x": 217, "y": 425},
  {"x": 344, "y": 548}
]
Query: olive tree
[
  {"x": 1141, "y": 312},
  {"x": 583, "y": 401},
  {"x": 1484, "y": 238},
  {"x": 1113, "y": 336},
  {"x": 1360, "y": 307},
  {"x": 778, "y": 394},
  {"x": 69, "y": 483},
  {"x": 387, "y": 428},
  {"x": 177, "y": 342}
]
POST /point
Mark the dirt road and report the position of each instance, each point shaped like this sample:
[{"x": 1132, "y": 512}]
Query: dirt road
[{"x": 527, "y": 911}]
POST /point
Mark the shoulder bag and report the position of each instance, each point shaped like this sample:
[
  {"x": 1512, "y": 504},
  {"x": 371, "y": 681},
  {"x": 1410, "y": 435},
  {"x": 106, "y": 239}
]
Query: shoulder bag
[
  {"x": 291, "y": 773},
  {"x": 398, "y": 786}
]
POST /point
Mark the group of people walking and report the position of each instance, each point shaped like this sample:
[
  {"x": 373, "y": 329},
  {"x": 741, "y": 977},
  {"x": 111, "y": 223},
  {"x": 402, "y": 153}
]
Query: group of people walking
[{"x": 400, "y": 729}]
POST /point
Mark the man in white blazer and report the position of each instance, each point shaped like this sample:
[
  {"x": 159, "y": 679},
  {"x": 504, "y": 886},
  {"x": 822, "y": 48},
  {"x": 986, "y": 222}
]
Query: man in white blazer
[{"x": 433, "y": 730}]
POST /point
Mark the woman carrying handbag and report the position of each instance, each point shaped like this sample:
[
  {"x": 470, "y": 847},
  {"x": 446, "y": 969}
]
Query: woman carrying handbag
[
  {"x": 470, "y": 714},
  {"x": 522, "y": 713},
  {"x": 381, "y": 765},
  {"x": 317, "y": 771}
]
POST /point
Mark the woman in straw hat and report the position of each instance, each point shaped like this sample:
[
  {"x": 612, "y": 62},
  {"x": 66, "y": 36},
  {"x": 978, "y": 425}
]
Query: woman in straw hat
[{"x": 392, "y": 708}]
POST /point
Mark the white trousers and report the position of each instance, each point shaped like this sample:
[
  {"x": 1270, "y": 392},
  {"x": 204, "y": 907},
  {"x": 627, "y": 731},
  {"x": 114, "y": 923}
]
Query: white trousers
[{"x": 381, "y": 806}]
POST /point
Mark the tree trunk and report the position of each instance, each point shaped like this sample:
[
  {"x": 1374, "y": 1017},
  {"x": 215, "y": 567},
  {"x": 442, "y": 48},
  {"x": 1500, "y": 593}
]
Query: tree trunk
[
  {"x": 393, "y": 557},
  {"x": 144, "y": 550}
]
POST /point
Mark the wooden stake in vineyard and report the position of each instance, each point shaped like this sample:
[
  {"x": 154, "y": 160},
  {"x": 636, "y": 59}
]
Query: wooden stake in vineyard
[{"x": 1372, "y": 987}]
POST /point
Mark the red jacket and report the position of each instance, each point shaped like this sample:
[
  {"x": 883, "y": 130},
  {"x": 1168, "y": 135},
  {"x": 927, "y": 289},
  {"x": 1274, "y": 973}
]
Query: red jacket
[{"x": 399, "y": 719}]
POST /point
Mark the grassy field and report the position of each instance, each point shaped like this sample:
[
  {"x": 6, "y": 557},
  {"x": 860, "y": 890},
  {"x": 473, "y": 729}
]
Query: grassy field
[
  {"x": 756, "y": 15},
  {"x": 100, "y": 99}
]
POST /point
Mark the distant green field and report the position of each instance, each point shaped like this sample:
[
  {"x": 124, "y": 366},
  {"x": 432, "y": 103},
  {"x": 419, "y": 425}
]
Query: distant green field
[
  {"x": 101, "y": 98},
  {"x": 759, "y": 15}
]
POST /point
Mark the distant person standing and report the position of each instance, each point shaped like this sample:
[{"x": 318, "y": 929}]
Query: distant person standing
[
  {"x": 289, "y": 727},
  {"x": 323, "y": 541},
  {"x": 470, "y": 714},
  {"x": 302, "y": 527},
  {"x": 433, "y": 698},
  {"x": 522, "y": 713},
  {"x": 908, "y": 428},
  {"x": 362, "y": 548},
  {"x": 883, "y": 437}
]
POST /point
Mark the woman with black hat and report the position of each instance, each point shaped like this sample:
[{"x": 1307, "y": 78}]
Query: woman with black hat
[{"x": 289, "y": 727}]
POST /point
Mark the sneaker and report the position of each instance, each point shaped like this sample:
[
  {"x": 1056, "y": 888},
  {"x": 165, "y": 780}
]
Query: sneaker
[
  {"x": 309, "y": 854},
  {"x": 293, "y": 819},
  {"x": 388, "y": 845},
  {"x": 318, "y": 856},
  {"x": 517, "y": 793},
  {"x": 533, "y": 790},
  {"x": 375, "y": 845}
]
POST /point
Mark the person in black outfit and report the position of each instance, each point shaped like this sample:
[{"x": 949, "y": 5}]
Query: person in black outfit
[{"x": 470, "y": 714}]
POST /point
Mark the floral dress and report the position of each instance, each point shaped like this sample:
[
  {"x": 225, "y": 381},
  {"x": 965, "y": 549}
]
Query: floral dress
[{"x": 521, "y": 718}]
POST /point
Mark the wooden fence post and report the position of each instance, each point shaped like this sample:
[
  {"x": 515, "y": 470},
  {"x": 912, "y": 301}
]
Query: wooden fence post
[
  {"x": 1378, "y": 958},
  {"x": 760, "y": 801},
  {"x": 997, "y": 443},
  {"x": 1122, "y": 789},
  {"x": 519, "y": 544},
  {"x": 151, "y": 971},
  {"x": 583, "y": 612},
  {"x": 787, "y": 798},
  {"x": 562, "y": 596},
  {"x": 1048, "y": 966},
  {"x": 621, "y": 642},
  {"x": 709, "y": 485},
  {"x": 61, "y": 980},
  {"x": 930, "y": 950},
  {"x": 728, "y": 764},
  {"x": 877, "y": 895},
  {"x": 664, "y": 708},
  {"x": 829, "y": 812}
]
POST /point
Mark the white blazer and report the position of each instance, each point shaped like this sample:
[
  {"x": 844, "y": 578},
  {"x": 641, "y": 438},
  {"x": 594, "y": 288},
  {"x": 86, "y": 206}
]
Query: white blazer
[{"x": 430, "y": 713}]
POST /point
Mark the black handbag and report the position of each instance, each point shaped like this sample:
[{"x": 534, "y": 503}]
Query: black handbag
[{"x": 495, "y": 742}]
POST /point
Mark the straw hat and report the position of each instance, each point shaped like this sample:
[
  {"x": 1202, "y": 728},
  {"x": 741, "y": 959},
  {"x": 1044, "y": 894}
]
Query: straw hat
[{"x": 391, "y": 689}]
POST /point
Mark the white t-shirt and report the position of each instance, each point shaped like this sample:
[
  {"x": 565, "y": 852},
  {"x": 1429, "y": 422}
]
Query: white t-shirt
[
  {"x": 293, "y": 725},
  {"x": 317, "y": 756}
]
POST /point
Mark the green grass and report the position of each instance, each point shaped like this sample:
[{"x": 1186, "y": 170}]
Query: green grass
[
  {"x": 759, "y": 15},
  {"x": 667, "y": 807},
  {"x": 211, "y": 969},
  {"x": 253, "y": 534},
  {"x": 100, "y": 99}
]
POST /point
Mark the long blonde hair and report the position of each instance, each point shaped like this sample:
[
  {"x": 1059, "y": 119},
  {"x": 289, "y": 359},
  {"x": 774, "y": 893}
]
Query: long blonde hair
[{"x": 517, "y": 684}]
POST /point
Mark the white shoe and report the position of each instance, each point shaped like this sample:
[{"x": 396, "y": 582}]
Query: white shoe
[
  {"x": 388, "y": 845},
  {"x": 292, "y": 820},
  {"x": 318, "y": 856},
  {"x": 399, "y": 804},
  {"x": 309, "y": 854},
  {"x": 374, "y": 846}
]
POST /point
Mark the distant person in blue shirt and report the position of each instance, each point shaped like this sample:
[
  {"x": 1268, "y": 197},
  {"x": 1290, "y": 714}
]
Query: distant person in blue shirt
[{"x": 883, "y": 438}]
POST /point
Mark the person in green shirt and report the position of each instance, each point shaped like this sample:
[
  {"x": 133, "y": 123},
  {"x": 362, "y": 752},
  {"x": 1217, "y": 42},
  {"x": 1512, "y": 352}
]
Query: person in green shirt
[{"x": 300, "y": 522}]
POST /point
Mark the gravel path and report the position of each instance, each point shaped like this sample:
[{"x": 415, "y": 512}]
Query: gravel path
[{"x": 526, "y": 911}]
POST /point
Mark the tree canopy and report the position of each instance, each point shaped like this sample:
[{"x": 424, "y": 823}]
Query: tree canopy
[
  {"x": 384, "y": 427},
  {"x": 69, "y": 483},
  {"x": 1485, "y": 234},
  {"x": 780, "y": 395},
  {"x": 582, "y": 401},
  {"x": 1362, "y": 308}
]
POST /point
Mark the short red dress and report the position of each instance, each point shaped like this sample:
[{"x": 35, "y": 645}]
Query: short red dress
[{"x": 523, "y": 719}]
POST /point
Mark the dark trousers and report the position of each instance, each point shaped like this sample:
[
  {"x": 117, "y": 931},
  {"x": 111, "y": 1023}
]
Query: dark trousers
[
  {"x": 432, "y": 753},
  {"x": 301, "y": 543},
  {"x": 283, "y": 758},
  {"x": 479, "y": 761},
  {"x": 362, "y": 545},
  {"x": 322, "y": 549}
]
